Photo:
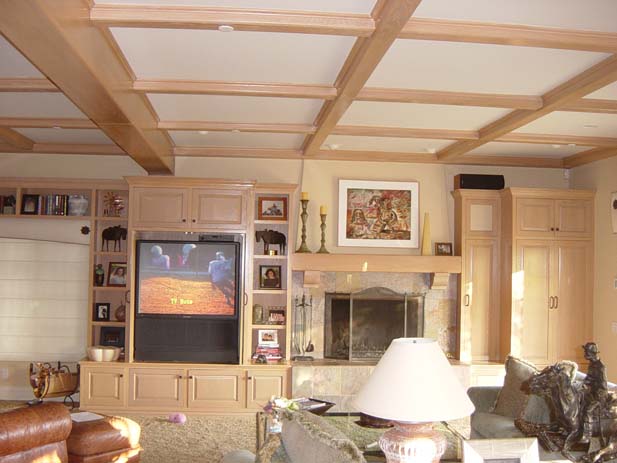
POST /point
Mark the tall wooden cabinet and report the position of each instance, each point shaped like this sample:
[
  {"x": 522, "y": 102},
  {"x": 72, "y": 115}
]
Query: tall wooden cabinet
[{"x": 547, "y": 302}]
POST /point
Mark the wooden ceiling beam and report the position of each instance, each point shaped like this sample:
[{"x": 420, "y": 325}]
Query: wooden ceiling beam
[
  {"x": 490, "y": 100},
  {"x": 15, "y": 139},
  {"x": 195, "y": 87},
  {"x": 591, "y": 105},
  {"x": 214, "y": 126},
  {"x": 68, "y": 148},
  {"x": 585, "y": 157},
  {"x": 197, "y": 17},
  {"x": 539, "y": 138},
  {"x": 47, "y": 123},
  {"x": 374, "y": 156},
  {"x": 594, "y": 78},
  {"x": 509, "y": 161},
  {"x": 509, "y": 34},
  {"x": 26, "y": 84},
  {"x": 89, "y": 73},
  {"x": 402, "y": 132},
  {"x": 219, "y": 152},
  {"x": 362, "y": 61}
]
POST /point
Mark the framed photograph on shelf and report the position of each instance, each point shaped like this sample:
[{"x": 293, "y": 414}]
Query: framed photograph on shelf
[
  {"x": 102, "y": 312},
  {"x": 272, "y": 208},
  {"x": 30, "y": 204},
  {"x": 276, "y": 316},
  {"x": 267, "y": 337},
  {"x": 270, "y": 277},
  {"x": 116, "y": 275},
  {"x": 378, "y": 214},
  {"x": 112, "y": 336},
  {"x": 443, "y": 249}
]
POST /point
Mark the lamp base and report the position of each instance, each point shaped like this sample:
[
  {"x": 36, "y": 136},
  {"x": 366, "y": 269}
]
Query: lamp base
[{"x": 412, "y": 443}]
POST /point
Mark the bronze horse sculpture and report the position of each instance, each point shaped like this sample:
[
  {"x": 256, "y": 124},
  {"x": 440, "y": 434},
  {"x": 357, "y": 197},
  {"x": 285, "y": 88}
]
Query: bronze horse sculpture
[
  {"x": 271, "y": 237},
  {"x": 115, "y": 234},
  {"x": 556, "y": 383}
]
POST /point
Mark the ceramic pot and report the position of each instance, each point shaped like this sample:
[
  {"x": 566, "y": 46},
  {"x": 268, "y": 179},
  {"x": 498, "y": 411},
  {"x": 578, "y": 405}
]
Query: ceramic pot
[{"x": 78, "y": 205}]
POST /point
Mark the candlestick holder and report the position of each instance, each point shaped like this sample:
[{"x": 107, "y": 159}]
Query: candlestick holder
[
  {"x": 322, "y": 249},
  {"x": 304, "y": 216}
]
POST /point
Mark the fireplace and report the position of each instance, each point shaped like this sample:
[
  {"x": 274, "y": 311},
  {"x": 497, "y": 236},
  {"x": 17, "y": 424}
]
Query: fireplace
[{"x": 360, "y": 326}]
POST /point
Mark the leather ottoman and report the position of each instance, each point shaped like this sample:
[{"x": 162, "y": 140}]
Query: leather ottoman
[{"x": 109, "y": 439}]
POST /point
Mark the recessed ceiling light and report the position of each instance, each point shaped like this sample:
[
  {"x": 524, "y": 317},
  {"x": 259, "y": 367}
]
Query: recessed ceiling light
[
  {"x": 333, "y": 146},
  {"x": 430, "y": 150},
  {"x": 57, "y": 127},
  {"x": 226, "y": 28},
  {"x": 590, "y": 126},
  {"x": 203, "y": 132},
  {"x": 556, "y": 146},
  {"x": 235, "y": 130},
  {"x": 572, "y": 145}
]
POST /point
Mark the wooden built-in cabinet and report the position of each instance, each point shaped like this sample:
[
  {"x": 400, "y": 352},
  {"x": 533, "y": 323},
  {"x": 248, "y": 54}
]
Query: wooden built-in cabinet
[
  {"x": 104, "y": 387},
  {"x": 553, "y": 218}
]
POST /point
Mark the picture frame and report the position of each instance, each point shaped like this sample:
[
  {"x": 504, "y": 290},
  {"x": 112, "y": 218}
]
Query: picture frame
[
  {"x": 267, "y": 337},
  {"x": 614, "y": 211},
  {"x": 112, "y": 336},
  {"x": 276, "y": 316},
  {"x": 378, "y": 214},
  {"x": 272, "y": 208},
  {"x": 116, "y": 274},
  {"x": 523, "y": 450},
  {"x": 30, "y": 204},
  {"x": 443, "y": 249},
  {"x": 102, "y": 311},
  {"x": 270, "y": 277}
]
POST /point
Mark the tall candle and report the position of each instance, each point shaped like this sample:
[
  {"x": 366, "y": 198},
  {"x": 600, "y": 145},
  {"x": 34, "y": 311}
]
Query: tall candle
[
  {"x": 304, "y": 196},
  {"x": 322, "y": 210}
]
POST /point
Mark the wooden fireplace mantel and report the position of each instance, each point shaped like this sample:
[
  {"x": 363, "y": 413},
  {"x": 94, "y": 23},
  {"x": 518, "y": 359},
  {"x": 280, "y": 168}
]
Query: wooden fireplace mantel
[{"x": 375, "y": 263}]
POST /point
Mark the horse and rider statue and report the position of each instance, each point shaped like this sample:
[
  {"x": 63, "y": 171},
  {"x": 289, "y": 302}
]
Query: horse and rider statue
[{"x": 581, "y": 410}]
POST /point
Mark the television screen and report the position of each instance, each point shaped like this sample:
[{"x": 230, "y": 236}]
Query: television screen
[{"x": 180, "y": 278}]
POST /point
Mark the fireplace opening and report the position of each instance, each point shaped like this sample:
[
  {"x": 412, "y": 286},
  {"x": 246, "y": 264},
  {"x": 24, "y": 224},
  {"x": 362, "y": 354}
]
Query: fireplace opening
[{"x": 360, "y": 326}]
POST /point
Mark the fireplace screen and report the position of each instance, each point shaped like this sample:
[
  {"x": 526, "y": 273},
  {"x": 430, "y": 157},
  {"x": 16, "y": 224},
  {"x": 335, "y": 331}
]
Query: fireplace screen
[{"x": 361, "y": 325}]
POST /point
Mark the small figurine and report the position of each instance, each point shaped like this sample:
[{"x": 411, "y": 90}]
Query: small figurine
[{"x": 99, "y": 275}]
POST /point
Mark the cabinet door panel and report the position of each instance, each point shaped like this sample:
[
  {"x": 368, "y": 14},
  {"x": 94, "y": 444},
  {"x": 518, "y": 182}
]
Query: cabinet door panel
[
  {"x": 574, "y": 218},
  {"x": 482, "y": 218},
  {"x": 535, "y": 217},
  {"x": 217, "y": 389},
  {"x": 157, "y": 388},
  {"x": 160, "y": 207},
  {"x": 531, "y": 292},
  {"x": 262, "y": 385},
  {"x": 218, "y": 209},
  {"x": 574, "y": 305},
  {"x": 102, "y": 387}
]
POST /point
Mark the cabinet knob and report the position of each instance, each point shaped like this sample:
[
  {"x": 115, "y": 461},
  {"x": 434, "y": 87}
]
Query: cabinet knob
[
  {"x": 552, "y": 228},
  {"x": 190, "y": 376},
  {"x": 249, "y": 377},
  {"x": 194, "y": 220},
  {"x": 120, "y": 375},
  {"x": 557, "y": 229},
  {"x": 184, "y": 220}
]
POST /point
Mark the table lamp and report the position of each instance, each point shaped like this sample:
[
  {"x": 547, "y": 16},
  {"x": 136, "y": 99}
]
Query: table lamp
[{"x": 413, "y": 385}]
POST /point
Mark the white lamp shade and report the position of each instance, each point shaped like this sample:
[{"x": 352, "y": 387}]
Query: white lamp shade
[{"x": 414, "y": 382}]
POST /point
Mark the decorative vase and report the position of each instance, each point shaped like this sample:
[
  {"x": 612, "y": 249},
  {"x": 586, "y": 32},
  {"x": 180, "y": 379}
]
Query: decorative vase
[
  {"x": 120, "y": 313},
  {"x": 426, "y": 236},
  {"x": 78, "y": 205}
]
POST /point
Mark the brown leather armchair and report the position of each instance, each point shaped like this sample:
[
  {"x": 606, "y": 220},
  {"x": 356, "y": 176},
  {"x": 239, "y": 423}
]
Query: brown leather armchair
[{"x": 35, "y": 434}]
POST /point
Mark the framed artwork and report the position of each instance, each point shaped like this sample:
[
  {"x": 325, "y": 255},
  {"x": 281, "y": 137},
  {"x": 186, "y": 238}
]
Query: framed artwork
[
  {"x": 520, "y": 450},
  {"x": 116, "y": 275},
  {"x": 276, "y": 316},
  {"x": 270, "y": 277},
  {"x": 30, "y": 204},
  {"x": 112, "y": 336},
  {"x": 102, "y": 311},
  {"x": 378, "y": 214},
  {"x": 268, "y": 337},
  {"x": 272, "y": 208},
  {"x": 614, "y": 211},
  {"x": 443, "y": 249}
]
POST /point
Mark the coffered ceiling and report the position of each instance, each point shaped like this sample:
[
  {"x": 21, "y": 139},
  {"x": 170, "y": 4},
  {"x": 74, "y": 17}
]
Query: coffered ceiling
[{"x": 487, "y": 82}]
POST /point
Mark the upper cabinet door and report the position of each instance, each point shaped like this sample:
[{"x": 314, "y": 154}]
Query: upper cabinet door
[
  {"x": 160, "y": 207},
  {"x": 535, "y": 217},
  {"x": 224, "y": 209},
  {"x": 482, "y": 218},
  {"x": 574, "y": 218}
]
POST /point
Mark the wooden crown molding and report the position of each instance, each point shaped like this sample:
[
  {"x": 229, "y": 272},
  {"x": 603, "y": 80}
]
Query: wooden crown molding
[
  {"x": 591, "y": 105},
  {"x": 15, "y": 139},
  {"x": 592, "y": 79},
  {"x": 90, "y": 74},
  {"x": 67, "y": 148},
  {"x": 230, "y": 126},
  {"x": 27, "y": 84},
  {"x": 586, "y": 157},
  {"x": 217, "y": 152},
  {"x": 47, "y": 123},
  {"x": 197, "y": 17}
]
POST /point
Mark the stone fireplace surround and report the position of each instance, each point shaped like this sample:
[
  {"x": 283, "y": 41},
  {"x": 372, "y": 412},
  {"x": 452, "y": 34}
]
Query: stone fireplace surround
[{"x": 338, "y": 381}]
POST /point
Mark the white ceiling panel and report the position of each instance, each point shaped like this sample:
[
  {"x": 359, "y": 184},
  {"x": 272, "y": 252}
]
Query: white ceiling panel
[
  {"x": 527, "y": 150},
  {"x": 599, "y": 15},
  {"x": 13, "y": 63},
  {"x": 419, "y": 115},
  {"x": 234, "y": 108},
  {"x": 86, "y": 136},
  {"x": 571, "y": 123},
  {"x": 406, "y": 145},
  {"x": 37, "y": 105},
  {"x": 341, "y": 6},
  {"x": 236, "y": 56},
  {"x": 472, "y": 67},
  {"x": 609, "y": 92},
  {"x": 238, "y": 140}
]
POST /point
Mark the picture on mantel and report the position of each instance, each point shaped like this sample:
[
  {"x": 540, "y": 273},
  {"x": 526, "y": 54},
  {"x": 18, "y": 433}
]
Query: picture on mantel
[{"x": 378, "y": 214}]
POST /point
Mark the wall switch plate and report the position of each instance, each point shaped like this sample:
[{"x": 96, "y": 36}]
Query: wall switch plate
[
  {"x": 614, "y": 327},
  {"x": 615, "y": 283}
]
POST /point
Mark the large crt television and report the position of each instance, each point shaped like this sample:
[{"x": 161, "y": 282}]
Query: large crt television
[{"x": 187, "y": 300}]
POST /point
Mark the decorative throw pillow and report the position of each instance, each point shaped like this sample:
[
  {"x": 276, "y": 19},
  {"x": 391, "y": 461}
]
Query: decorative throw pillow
[{"x": 511, "y": 400}]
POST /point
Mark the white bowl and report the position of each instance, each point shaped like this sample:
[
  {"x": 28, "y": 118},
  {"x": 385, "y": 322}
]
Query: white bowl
[{"x": 103, "y": 353}]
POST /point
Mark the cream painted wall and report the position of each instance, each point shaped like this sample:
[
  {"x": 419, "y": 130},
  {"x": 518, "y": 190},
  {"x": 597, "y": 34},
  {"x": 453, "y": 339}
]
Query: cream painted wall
[{"x": 602, "y": 176}]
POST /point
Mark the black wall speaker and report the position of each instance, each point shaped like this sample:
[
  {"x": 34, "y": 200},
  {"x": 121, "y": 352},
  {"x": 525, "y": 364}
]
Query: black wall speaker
[{"x": 479, "y": 182}]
